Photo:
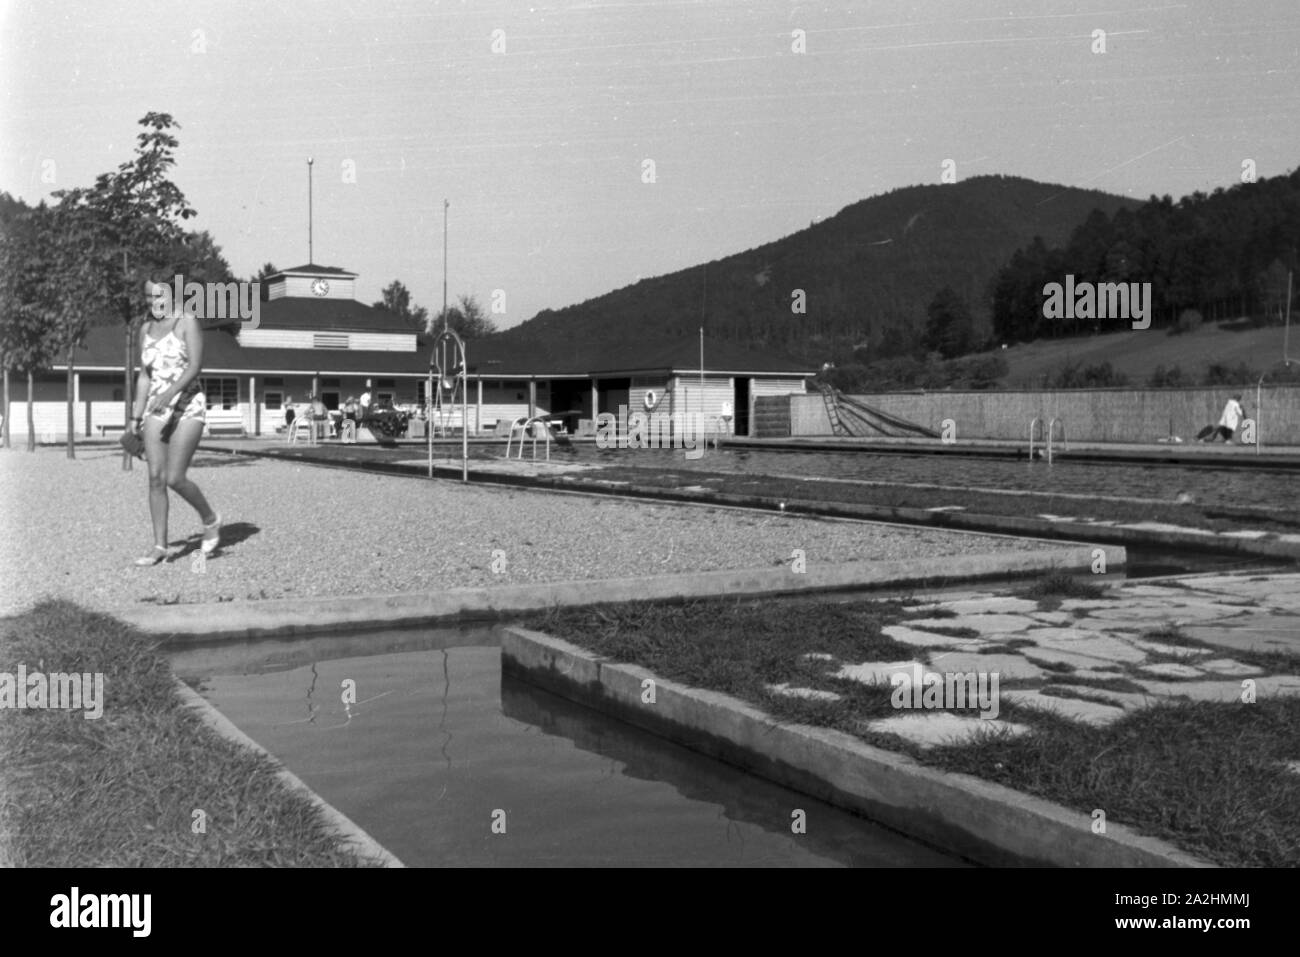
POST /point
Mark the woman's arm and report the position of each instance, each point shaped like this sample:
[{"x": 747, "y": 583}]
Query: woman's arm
[{"x": 141, "y": 397}]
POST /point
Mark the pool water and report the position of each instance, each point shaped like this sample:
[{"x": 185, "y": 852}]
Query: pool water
[
  {"x": 439, "y": 746},
  {"x": 1268, "y": 489}
]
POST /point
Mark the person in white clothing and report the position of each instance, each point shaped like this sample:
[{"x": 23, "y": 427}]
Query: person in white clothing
[{"x": 1233, "y": 413}]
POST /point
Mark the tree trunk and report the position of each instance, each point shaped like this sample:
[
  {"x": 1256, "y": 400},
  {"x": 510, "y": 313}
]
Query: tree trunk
[
  {"x": 72, "y": 410},
  {"x": 31, "y": 414},
  {"x": 4, "y": 428},
  {"x": 128, "y": 392}
]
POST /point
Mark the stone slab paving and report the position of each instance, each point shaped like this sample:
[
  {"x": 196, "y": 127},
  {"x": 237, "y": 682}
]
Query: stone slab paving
[
  {"x": 1007, "y": 667},
  {"x": 1171, "y": 669},
  {"x": 1237, "y": 613},
  {"x": 990, "y": 625},
  {"x": 940, "y": 727},
  {"x": 929, "y": 639},
  {"x": 1226, "y": 666},
  {"x": 813, "y": 694},
  {"x": 1089, "y": 712},
  {"x": 1265, "y": 686}
]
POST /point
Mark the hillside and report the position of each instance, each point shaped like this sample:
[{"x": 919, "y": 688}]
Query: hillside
[
  {"x": 1137, "y": 353},
  {"x": 874, "y": 265}
]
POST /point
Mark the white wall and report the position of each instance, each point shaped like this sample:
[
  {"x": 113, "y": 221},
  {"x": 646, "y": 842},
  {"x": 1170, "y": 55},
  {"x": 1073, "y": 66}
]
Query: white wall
[
  {"x": 304, "y": 339},
  {"x": 300, "y": 287}
]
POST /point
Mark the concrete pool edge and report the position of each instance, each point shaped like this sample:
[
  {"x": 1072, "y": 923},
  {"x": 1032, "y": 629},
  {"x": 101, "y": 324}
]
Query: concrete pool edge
[
  {"x": 962, "y": 814},
  {"x": 1192, "y": 537},
  {"x": 359, "y": 843},
  {"x": 291, "y": 616}
]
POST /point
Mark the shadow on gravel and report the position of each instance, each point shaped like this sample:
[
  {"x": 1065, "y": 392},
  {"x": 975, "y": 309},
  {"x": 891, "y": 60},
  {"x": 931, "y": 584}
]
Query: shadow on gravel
[{"x": 231, "y": 534}]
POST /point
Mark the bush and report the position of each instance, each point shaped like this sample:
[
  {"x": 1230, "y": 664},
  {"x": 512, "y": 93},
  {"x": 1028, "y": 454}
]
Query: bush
[
  {"x": 1220, "y": 373},
  {"x": 1171, "y": 378},
  {"x": 1074, "y": 375},
  {"x": 1188, "y": 320}
]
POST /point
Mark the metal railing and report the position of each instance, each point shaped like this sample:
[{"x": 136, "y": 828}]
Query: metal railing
[
  {"x": 526, "y": 428},
  {"x": 1046, "y": 433}
]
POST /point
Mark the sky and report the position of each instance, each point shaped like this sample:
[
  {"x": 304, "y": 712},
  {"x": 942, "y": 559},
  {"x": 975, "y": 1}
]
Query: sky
[{"x": 585, "y": 145}]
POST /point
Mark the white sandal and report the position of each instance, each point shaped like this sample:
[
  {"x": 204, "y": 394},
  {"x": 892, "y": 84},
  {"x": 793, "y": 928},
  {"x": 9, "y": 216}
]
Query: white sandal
[
  {"x": 159, "y": 554},
  {"x": 212, "y": 536}
]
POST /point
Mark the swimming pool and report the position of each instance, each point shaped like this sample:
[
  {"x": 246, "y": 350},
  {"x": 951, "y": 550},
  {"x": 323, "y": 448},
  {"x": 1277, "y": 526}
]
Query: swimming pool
[{"x": 439, "y": 745}]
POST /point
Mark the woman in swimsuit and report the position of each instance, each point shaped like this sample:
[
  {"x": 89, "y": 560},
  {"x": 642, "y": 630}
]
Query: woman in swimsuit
[{"x": 171, "y": 359}]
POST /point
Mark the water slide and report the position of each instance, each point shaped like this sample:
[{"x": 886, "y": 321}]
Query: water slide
[{"x": 849, "y": 415}]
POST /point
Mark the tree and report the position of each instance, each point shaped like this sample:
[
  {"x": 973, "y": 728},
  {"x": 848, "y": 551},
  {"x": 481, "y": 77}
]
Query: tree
[
  {"x": 397, "y": 300},
  {"x": 949, "y": 327},
  {"x": 467, "y": 319},
  {"x": 137, "y": 214},
  {"x": 25, "y": 330}
]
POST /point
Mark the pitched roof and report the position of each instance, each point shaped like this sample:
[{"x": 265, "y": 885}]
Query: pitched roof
[
  {"x": 328, "y": 315},
  {"x": 489, "y": 358},
  {"x": 313, "y": 270}
]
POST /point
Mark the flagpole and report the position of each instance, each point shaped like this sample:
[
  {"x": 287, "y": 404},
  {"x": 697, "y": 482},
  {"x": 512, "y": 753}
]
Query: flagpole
[{"x": 310, "y": 254}]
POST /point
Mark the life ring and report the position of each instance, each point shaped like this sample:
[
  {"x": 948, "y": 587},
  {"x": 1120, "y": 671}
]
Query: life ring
[{"x": 651, "y": 400}]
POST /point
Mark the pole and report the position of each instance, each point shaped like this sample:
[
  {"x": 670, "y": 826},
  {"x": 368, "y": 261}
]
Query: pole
[
  {"x": 428, "y": 415},
  {"x": 1286, "y": 333},
  {"x": 128, "y": 361},
  {"x": 446, "y": 204},
  {"x": 701, "y": 376},
  {"x": 311, "y": 258}
]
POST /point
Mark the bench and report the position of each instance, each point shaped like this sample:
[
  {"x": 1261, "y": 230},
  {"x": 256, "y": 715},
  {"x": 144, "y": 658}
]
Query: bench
[
  {"x": 224, "y": 429},
  {"x": 105, "y": 429}
]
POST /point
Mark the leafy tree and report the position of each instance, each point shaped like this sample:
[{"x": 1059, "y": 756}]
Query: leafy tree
[
  {"x": 397, "y": 300},
  {"x": 949, "y": 327},
  {"x": 25, "y": 338},
  {"x": 466, "y": 318},
  {"x": 137, "y": 214}
]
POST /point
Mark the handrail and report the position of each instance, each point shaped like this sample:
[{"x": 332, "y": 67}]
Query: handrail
[
  {"x": 525, "y": 426},
  {"x": 1051, "y": 427},
  {"x": 1033, "y": 422}
]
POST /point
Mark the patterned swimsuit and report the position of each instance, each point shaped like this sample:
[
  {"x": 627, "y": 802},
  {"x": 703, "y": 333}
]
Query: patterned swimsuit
[{"x": 165, "y": 360}]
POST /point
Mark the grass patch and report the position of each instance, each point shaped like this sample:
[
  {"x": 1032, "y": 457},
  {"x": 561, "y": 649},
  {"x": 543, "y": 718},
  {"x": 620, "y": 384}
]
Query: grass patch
[
  {"x": 1206, "y": 776},
  {"x": 1062, "y": 585},
  {"x": 120, "y": 790}
]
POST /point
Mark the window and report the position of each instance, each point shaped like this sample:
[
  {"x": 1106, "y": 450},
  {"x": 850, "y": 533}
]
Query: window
[
  {"x": 329, "y": 340},
  {"x": 274, "y": 401},
  {"x": 117, "y": 395},
  {"x": 222, "y": 393},
  {"x": 385, "y": 398}
]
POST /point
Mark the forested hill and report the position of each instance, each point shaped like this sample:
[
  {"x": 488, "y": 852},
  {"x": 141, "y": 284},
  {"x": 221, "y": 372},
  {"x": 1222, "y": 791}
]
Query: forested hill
[{"x": 875, "y": 264}]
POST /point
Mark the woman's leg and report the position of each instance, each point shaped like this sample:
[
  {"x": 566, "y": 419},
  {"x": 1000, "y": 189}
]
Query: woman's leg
[
  {"x": 179, "y": 452},
  {"x": 155, "y": 453}
]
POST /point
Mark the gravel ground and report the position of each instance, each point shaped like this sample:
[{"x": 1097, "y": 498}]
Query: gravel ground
[{"x": 72, "y": 527}]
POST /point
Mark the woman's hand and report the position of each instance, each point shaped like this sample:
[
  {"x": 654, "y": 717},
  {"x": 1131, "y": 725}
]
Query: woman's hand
[{"x": 161, "y": 401}]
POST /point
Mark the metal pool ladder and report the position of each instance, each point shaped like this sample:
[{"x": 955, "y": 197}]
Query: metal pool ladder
[
  {"x": 526, "y": 427},
  {"x": 1047, "y": 438}
]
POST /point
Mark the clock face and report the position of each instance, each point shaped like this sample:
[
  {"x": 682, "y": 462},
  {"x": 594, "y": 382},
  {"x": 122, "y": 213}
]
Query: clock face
[{"x": 320, "y": 287}]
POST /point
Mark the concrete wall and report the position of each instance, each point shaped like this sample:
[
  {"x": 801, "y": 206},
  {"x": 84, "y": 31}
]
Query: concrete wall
[{"x": 1092, "y": 415}]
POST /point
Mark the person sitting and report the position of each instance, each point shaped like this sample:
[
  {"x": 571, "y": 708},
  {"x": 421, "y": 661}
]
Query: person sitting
[{"x": 1233, "y": 413}]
